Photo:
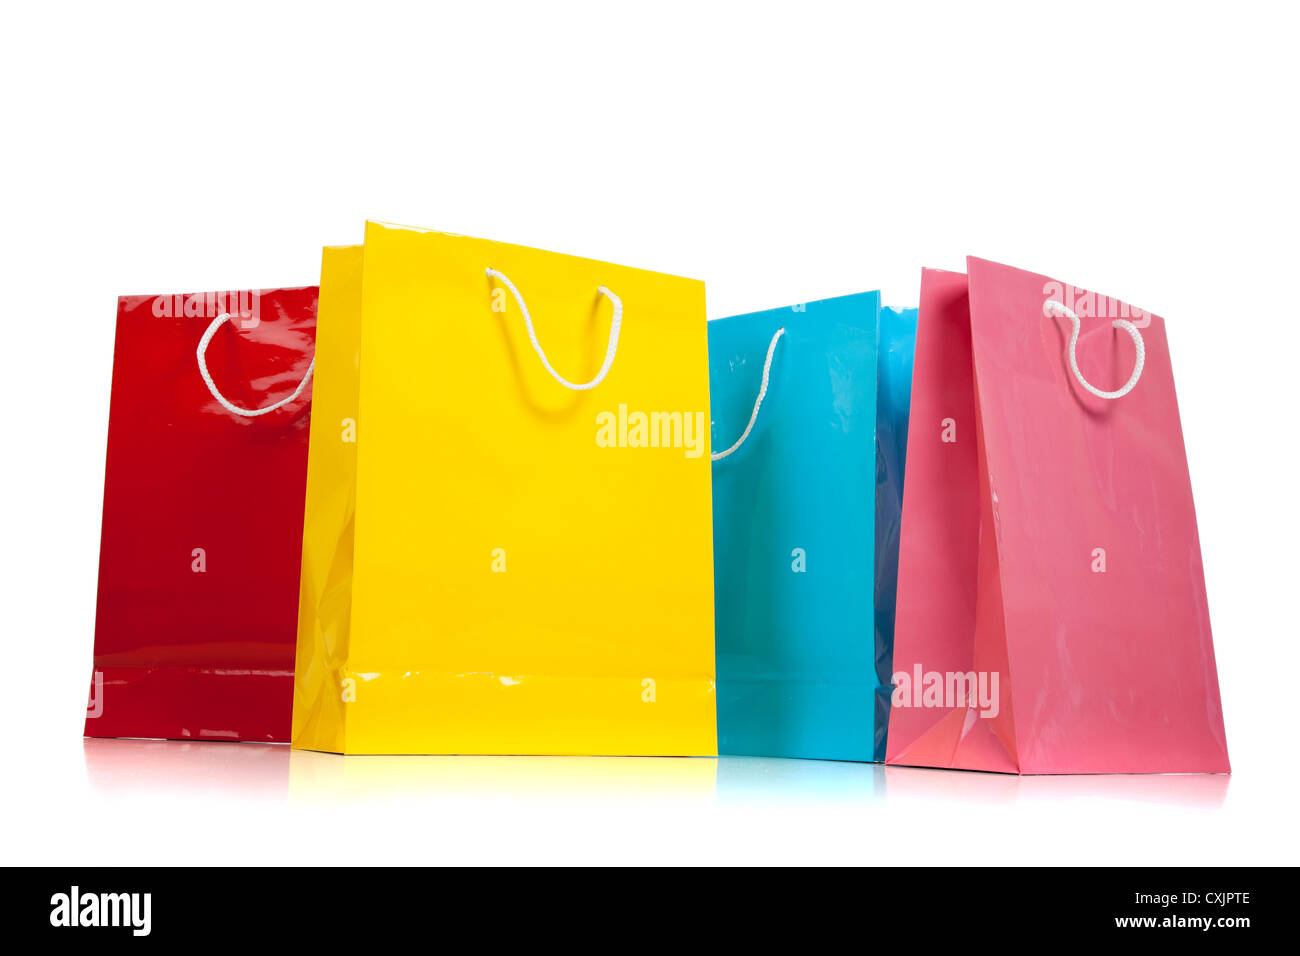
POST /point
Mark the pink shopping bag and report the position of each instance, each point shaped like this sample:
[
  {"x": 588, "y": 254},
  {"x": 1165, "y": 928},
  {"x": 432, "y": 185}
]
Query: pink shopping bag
[{"x": 1052, "y": 615}]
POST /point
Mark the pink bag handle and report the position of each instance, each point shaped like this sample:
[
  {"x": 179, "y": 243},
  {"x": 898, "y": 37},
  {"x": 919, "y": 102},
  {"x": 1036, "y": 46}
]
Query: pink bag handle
[
  {"x": 216, "y": 393},
  {"x": 1124, "y": 324}
]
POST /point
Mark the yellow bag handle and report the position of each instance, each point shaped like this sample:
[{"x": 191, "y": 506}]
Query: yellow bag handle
[{"x": 610, "y": 350}]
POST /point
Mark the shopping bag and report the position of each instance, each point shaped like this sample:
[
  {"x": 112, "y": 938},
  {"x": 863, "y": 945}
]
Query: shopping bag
[
  {"x": 1052, "y": 615},
  {"x": 203, "y": 494},
  {"x": 793, "y": 394},
  {"x": 893, "y": 409},
  {"x": 513, "y": 555}
]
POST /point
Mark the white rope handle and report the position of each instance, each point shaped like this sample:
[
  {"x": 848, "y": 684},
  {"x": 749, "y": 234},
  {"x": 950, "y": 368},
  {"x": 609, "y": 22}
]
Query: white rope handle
[
  {"x": 758, "y": 402},
  {"x": 212, "y": 387},
  {"x": 615, "y": 324},
  {"x": 1124, "y": 324}
]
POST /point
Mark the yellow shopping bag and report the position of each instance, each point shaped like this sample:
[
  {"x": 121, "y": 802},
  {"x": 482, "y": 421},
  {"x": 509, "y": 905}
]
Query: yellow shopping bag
[{"x": 508, "y": 536}]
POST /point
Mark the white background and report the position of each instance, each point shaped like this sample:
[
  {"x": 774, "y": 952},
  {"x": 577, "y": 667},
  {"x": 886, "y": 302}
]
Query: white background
[{"x": 783, "y": 154}]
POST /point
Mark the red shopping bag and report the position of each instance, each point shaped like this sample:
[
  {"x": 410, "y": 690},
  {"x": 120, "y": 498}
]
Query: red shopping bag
[
  {"x": 1052, "y": 615},
  {"x": 196, "y": 618}
]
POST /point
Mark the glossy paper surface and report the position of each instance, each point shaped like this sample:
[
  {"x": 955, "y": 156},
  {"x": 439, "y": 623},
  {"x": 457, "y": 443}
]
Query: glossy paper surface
[
  {"x": 793, "y": 531},
  {"x": 938, "y": 563},
  {"x": 893, "y": 408},
  {"x": 329, "y": 518},
  {"x": 514, "y": 585},
  {"x": 195, "y": 621},
  {"x": 1072, "y": 567}
]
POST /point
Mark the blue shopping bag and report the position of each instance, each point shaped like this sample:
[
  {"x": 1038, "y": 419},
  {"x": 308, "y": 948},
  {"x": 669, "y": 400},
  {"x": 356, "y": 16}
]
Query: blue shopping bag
[
  {"x": 793, "y": 394},
  {"x": 897, "y": 346}
]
